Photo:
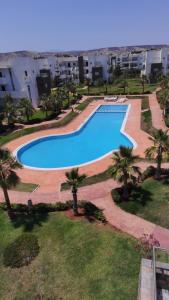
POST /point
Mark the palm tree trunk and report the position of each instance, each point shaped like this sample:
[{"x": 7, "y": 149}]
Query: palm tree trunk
[
  {"x": 125, "y": 188},
  {"x": 143, "y": 87},
  {"x": 75, "y": 207},
  {"x": 8, "y": 204},
  {"x": 158, "y": 170}
]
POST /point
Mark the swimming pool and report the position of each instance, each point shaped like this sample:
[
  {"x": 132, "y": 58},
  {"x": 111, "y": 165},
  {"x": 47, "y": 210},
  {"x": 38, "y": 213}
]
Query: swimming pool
[{"x": 98, "y": 136}]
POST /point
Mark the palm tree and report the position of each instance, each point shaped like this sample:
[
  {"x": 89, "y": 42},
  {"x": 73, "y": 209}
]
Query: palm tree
[
  {"x": 164, "y": 84},
  {"x": 143, "y": 81},
  {"x": 164, "y": 99},
  {"x": 46, "y": 104},
  {"x": 26, "y": 108},
  {"x": 123, "y": 169},
  {"x": 74, "y": 179},
  {"x": 9, "y": 109},
  {"x": 124, "y": 85},
  {"x": 159, "y": 150},
  {"x": 8, "y": 177},
  {"x": 88, "y": 83}
]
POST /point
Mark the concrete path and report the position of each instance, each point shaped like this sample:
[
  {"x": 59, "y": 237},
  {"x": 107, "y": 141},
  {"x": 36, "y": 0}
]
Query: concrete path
[
  {"x": 157, "y": 115},
  {"x": 99, "y": 194}
]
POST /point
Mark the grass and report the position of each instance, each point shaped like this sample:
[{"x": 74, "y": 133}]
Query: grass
[
  {"x": 77, "y": 260},
  {"x": 38, "y": 116},
  {"x": 145, "y": 103},
  {"x": 89, "y": 180},
  {"x": 14, "y": 135},
  {"x": 134, "y": 87},
  {"x": 150, "y": 201},
  {"x": 66, "y": 120},
  {"x": 146, "y": 121},
  {"x": 25, "y": 187}
]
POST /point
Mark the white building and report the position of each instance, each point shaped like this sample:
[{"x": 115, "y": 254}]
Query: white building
[{"x": 31, "y": 77}]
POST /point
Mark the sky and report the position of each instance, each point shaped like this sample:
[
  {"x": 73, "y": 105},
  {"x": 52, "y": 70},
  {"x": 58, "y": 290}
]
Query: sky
[{"x": 45, "y": 25}]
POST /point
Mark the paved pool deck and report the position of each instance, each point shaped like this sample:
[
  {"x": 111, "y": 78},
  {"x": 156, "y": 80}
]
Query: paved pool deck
[
  {"x": 51, "y": 180},
  {"x": 99, "y": 194}
]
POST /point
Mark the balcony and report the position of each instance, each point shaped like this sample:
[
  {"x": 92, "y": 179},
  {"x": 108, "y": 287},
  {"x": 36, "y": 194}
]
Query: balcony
[
  {"x": 14, "y": 94},
  {"x": 3, "y": 81}
]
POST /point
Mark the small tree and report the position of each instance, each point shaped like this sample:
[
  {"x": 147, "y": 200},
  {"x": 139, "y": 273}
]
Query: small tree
[
  {"x": 164, "y": 99},
  {"x": 9, "y": 109},
  {"x": 46, "y": 104},
  {"x": 88, "y": 83},
  {"x": 8, "y": 177},
  {"x": 123, "y": 169},
  {"x": 124, "y": 85},
  {"x": 145, "y": 245},
  {"x": 74, "y": 179},
  {"x": 159, "y": 150},
  {"x": 143, "y": 81},
  {"x": 26, "y": 108}
]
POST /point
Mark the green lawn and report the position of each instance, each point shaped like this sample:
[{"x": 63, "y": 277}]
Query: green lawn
[
  {"x": 14, "y": 135},
  {"x": 146, "y": 121},
  {"x": 77, "y": 260},
  {"x": 151, "y": 202},
  {"x": 25, "y": 187},
  {"x": 134, "y": 87}
]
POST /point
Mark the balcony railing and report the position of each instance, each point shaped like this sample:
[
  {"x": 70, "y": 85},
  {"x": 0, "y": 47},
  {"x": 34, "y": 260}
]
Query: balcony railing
[{"x": 3, "y": 81}]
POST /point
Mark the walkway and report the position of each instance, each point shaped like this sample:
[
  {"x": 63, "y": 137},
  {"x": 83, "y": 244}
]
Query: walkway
[
  {"x": 157, "y": 115},
  {"x": 99, "y": 194},
  {"x": 51, "y": 180}
]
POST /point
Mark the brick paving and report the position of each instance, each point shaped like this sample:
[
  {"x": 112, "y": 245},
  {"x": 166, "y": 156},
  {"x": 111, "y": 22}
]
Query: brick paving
[{"x": 99, "y": 194}]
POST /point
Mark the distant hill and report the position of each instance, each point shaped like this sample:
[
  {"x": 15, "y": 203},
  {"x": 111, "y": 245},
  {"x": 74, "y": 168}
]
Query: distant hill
[{"x": 26, "y": 53}]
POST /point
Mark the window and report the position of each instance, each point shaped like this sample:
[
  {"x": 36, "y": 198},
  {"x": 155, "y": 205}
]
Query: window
[
  {"x": 68, "y": 65},
  {"x": 87, "y": 71},
  {"x": 86, "y": 63},
  {"x": 3, "y": 88},
  {"x": 26, "y": 73},
  {"x": 0, "y": 74}
]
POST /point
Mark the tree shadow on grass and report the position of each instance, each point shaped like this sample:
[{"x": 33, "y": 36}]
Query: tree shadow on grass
[
  {"x": 139, "y": 197},
  {"x": 29, "y": 221}
]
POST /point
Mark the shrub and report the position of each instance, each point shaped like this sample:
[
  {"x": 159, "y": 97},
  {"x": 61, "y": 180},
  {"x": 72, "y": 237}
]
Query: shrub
[
  {"x": 92, "y": 210},
  {"x": 145, "y": 245},
  {"x": 21, "y": 251},
  {"x": 116, "y": 195},
  {"x": 149, "y": 172}
]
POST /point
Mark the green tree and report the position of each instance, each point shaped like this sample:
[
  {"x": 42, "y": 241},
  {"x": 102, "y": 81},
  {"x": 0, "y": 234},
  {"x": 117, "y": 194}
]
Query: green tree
[
  {"x": 164, "y": 99},
  {"x": 88, "y": 83},
  {"x": 26, "y": 108},
  {"x": 8, "y": 177},
  {"x": 123, "y": 169},
  {"x": 9, "y": 109},
  {"x": 46, "y": 104},
  {"x": 159, "y": 150},
  {"x": 74, "y": 179},
  {"x": 143, "y": 81},
  {"x": 124, "y": 85},
  {"x": 164, "y": 84}
]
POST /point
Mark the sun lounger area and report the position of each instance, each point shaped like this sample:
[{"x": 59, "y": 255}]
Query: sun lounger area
[{"x": 115, "y": 99}]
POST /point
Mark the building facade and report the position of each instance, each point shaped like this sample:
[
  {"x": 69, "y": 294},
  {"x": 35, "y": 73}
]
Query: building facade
[{"x": 30, "y": 77}]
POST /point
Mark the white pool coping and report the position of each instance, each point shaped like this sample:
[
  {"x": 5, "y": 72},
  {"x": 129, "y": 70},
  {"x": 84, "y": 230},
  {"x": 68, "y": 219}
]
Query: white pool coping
[{"x": 122, "y": 130}]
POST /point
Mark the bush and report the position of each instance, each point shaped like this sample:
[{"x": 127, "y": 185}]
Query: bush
[
  {"x": 149, "y": 172},
  {"x": 22, "y": 251},
  {"x": 92, "y": 210},
  {"x": 116, "y": 195}
]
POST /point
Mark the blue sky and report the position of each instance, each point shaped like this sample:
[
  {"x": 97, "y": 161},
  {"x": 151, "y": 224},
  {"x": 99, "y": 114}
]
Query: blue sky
[{"x": 75, "y": 24}]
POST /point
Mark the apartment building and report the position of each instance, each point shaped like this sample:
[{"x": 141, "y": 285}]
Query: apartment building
[
  {"x": 24, "y": 77},
  {"x": 30, "y": 77}
]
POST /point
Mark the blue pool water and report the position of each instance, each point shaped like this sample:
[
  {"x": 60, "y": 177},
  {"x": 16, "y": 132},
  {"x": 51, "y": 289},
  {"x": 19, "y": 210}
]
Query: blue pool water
[{"x": 96, "y": 138}]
